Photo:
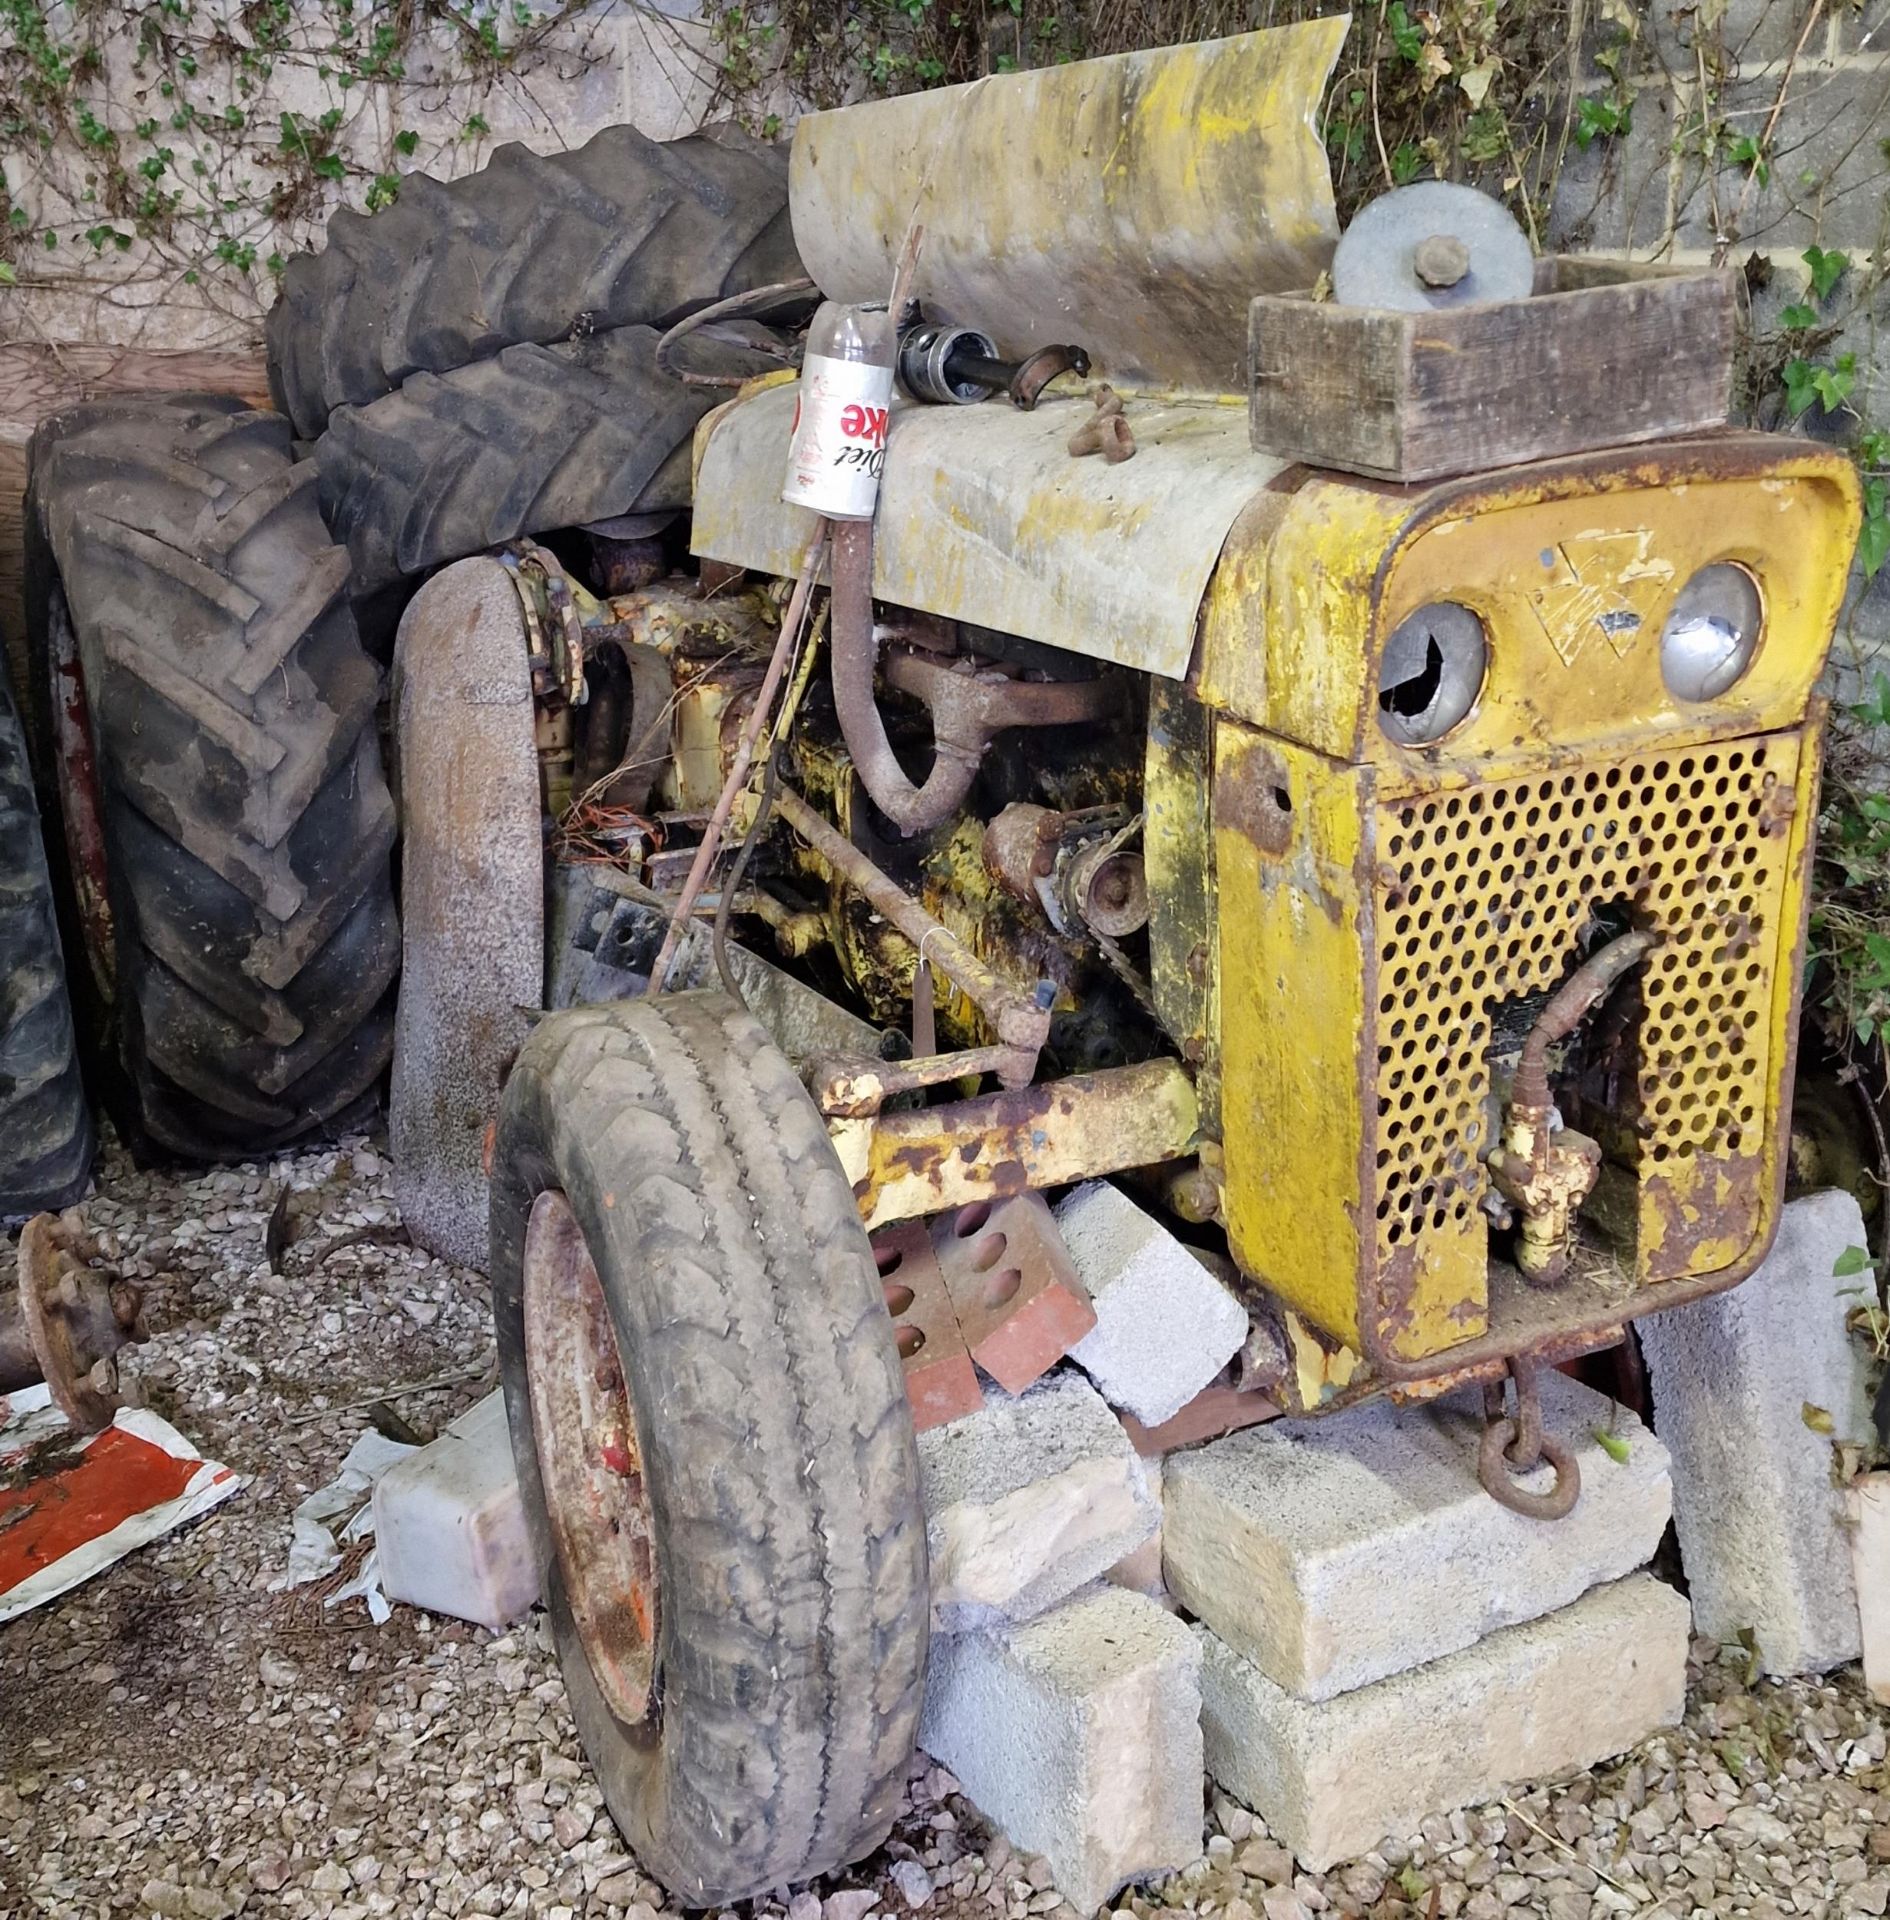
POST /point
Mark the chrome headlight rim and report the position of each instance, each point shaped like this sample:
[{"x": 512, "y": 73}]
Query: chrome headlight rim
[
  {"x": 1455, "y": 676},
  {"x": 1693, "y": 670}
]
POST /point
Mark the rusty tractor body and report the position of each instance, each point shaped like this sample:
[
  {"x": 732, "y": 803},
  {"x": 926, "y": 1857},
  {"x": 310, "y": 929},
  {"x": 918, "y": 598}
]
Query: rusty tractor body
[
  {"x": 1401, "y": 884},
  {"x": 1457, "y": 985}
]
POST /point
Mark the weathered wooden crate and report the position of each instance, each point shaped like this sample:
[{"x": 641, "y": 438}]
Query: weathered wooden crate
[{"x": 1602, "y": 355}]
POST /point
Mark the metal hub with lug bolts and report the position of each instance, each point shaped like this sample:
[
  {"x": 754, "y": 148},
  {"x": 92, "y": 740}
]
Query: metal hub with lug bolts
[
  {"x": 68, "y": 1319},
  {"x": 591, "y": 1460}
]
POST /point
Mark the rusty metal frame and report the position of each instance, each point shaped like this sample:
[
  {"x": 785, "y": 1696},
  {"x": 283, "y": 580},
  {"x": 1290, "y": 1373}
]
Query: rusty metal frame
[{"x": 907, "y": 1164}]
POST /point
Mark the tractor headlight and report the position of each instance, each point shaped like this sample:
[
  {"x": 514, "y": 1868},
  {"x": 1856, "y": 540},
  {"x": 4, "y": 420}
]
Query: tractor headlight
[
  {"x": 1712, "y": 632},
  {"x": 1431, "y": 672}
]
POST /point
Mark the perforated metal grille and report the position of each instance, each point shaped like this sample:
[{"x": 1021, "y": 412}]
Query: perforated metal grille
[{"x": 1482, "y": 894}]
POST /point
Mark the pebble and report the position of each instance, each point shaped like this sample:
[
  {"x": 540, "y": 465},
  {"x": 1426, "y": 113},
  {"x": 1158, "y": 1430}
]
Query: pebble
[{"x": 913, "y": 1882}]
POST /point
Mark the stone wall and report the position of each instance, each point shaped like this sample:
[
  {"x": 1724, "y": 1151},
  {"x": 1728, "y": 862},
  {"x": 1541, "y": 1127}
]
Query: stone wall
[
  {"x": 1808, "y": 83},
  {"x": 283, "y": 122}
]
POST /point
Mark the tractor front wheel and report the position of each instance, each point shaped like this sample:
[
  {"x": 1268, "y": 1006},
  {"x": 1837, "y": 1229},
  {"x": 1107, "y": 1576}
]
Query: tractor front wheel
[{"x": 717, "y": 1458}]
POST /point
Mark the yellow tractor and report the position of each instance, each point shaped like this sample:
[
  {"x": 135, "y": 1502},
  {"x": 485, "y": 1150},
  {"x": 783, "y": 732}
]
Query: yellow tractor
[
  {"x": 1402, "y": 879},
  {"x": 1348, "y": 768}
]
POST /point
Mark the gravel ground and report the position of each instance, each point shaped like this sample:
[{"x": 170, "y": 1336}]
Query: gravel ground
[{"x": 176, "y": 1739}]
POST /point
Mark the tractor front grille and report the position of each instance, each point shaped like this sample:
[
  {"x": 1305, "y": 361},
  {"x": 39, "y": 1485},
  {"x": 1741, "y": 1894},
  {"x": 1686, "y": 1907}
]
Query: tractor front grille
[{"x": 1482, "y": 895}]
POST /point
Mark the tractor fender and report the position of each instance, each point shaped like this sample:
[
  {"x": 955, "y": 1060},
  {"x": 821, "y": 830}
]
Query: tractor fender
[{"x": 473, "y": 888}]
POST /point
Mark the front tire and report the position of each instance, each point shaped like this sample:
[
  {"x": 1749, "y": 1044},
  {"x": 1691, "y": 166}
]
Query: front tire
[{"x": 713, "y": 1440}]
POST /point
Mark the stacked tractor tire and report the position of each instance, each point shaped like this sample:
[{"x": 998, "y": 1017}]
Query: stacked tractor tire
[{"x": 475, "y": 363}]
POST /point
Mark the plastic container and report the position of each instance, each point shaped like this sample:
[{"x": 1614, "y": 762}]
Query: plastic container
[
  {"x": 839, "y": 440},
  {"x": 449, "y": 1527}
]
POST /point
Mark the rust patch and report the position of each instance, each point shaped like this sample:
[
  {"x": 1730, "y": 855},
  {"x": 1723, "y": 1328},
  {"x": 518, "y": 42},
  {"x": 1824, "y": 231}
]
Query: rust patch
[
  {"x": 1254, "y": 797},
  {"x": 1686, "y": 1228}
]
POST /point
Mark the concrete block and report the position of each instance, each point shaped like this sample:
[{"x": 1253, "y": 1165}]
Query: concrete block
[
  {"x": 1870, "y": 1563},
  {"x": 1079, "y": 1735},
  {"x": 1761, "y": 1524},
  {"x": 1018, "y": 1300},
  {"x": 1165, "y": 1327},
  {"x": 1332, "y": 1778},
  {"x": 1302, "y": 1543},
  {"x": 449, "y": 1528},
  {"x": 1140, "y": 1570},
  {"x": 1027, "y": 1500}
]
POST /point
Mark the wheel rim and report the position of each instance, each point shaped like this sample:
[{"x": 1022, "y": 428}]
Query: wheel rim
[
  {"x": 81, "y": 799},
  {"x": 590, "y": 1460}
]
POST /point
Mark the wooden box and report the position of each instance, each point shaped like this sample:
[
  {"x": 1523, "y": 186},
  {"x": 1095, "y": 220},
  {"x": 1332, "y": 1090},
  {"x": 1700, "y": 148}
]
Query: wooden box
[{"x": 1603, "y": 355}]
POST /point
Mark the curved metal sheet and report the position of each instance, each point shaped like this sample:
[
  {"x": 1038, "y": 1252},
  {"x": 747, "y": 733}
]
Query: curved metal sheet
[
  {"x": 472, "y": 907},
  {"x": 985, "y": 516},
  {"x": 1133, "y": 204}
]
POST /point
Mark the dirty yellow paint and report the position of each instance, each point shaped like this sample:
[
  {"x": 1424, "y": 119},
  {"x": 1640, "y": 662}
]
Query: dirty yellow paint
[
  {"x": 1178, "y": 862},
  {"x": 984, "y": 517},
  {"x": 1319, "y": 1370},
  {"x": 1572, "y": 565},
  {"x": 1375, "y": 901},
  {"x": 904, "y": 1165},
  {"x": 1134, "y": 203},
  {"x": 1710, "y": 1213},
  {"x": 1295, "y": 927}
]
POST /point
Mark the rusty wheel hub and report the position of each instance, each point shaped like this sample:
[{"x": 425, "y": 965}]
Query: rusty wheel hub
[
  {"x": 590, "y": 1460},
  {"x": 68, "y": 1318},
  {"x": 81, "y": 800}
]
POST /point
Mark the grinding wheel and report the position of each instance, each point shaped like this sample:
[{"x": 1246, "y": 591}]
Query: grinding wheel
[{"x": 1435, "y": 244}]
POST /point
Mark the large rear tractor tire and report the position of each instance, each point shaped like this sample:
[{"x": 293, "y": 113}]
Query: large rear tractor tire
[
  {"x": 713, "y": 1442},
  {"x": 45, "y": 1125},
  {"x": 623, "y": 231},
  {"x": 207, "y": 718},
  {"x": 536, "y": 439}
]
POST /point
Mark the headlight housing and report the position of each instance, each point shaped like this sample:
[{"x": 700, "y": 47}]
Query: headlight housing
[
  {"x": 1431, "y": 673},
  {"x": 1712, "y": 632}
]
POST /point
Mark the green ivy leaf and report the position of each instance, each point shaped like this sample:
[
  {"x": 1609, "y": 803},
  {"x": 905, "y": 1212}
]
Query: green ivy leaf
[
  {"x": 405, "y": 142},
  {"x": 1797, "y": 317},
  {"x": 1834, "y": 383},
  {"x": 8, "y": 278},
  {"x": 1404, "y": 32},
  {"x": 1873, "y": 543},
  {"x": 1597, "y": 118},
  {"x": 1828, "y": 267},
  {"x": 1851, "y": 1260}
]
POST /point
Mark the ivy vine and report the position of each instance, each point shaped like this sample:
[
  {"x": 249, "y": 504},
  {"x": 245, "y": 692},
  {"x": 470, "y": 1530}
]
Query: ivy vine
[{"x": 197, "y": 142}]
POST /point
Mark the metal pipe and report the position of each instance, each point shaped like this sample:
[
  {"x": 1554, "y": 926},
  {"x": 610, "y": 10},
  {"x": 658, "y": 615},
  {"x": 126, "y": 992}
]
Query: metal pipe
[
  {"x": 851, "y": 1086},
  {"x": 1570, "y": 1006},
  {"x": 954, "y": 761},
  {"x": 791, "y": 625},
  {"x": 1019, "y": 1019}
]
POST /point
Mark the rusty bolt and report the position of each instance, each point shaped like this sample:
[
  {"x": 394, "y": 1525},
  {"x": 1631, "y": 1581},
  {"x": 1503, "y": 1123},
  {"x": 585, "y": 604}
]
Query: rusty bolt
[{"x": 1441, "y": 260}]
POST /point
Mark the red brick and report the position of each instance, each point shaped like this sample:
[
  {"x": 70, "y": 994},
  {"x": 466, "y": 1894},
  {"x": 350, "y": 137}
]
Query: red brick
[
  {"x": 941, "y": 1383},
  {"x": 1212, "y": 1412},
  {"x": 1019, "y": 1301}
]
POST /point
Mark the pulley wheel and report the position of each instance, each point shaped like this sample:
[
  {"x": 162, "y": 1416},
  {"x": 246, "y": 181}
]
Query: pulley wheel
[{"x": 1435, "y": 244}]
